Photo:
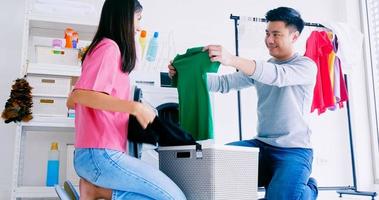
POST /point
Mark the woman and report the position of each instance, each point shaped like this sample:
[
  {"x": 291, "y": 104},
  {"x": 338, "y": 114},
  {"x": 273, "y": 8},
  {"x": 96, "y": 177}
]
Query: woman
[{"x": 102, "y": 109}]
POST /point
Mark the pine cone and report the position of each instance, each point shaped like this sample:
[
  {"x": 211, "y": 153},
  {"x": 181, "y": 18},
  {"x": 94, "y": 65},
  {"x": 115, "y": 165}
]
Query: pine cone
[{"x": 18, "y": 106}]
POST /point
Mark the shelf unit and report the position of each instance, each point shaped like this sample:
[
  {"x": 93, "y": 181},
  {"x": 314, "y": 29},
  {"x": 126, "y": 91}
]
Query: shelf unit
[
  {"x": 53, "y": 26},
  {"x": 35, "y": 192},
  {"x": 51, "y": 69},
  {"x": 46, "y": 26}
]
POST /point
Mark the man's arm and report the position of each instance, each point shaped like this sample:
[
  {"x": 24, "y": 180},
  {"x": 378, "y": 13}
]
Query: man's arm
[
  {"x": 218, "y": 53},
  {"x": 225, "y": 83},
  {"x": 301, "y": 72}
]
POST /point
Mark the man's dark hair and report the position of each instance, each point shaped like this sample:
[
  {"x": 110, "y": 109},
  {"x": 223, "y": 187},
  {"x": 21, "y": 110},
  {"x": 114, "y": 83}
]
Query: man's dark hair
[{"x": 287, "y": 15}]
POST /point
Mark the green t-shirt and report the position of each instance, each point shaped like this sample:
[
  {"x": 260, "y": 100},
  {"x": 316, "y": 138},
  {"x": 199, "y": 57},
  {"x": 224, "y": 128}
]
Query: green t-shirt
[{"x": 195, "y": 113}]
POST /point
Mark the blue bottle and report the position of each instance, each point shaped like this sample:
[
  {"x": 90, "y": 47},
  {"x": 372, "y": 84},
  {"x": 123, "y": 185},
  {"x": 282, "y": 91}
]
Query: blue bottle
[
  {"x": 52, "y": 176},
  {"x": 153, "y": 48}
]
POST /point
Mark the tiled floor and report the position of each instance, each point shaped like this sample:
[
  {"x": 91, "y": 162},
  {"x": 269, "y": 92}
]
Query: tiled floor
[{"x": 332, "y": 195}]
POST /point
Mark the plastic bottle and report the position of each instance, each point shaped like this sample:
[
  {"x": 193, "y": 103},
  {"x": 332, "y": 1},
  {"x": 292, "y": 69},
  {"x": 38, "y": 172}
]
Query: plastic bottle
[
  {"x": 153, "y": 48},
  {"x": 71, "y": 113},
  {"x": 52, "y": 175},
  {"x": 75, "y": 39},
  {"x": 68, "y": 37},
  {"x": 142, "y": 42}
]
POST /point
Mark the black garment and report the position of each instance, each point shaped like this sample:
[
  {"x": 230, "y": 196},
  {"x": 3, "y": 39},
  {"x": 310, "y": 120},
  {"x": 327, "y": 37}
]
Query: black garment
[{"x": 165, "y": 133}]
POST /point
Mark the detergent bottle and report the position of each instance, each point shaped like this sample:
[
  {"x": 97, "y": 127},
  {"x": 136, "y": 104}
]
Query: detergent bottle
[
  {"x": 52, "y": 175},
  {"x": 153, "y": 48},
  {"x": 142, "y": 42}
]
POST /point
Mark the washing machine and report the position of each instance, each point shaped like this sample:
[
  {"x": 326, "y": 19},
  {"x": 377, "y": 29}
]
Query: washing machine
[{"x": 155, "y": 90}]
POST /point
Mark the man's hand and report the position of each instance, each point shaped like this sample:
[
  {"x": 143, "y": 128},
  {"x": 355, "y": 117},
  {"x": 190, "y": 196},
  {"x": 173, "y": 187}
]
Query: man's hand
[
  {"x": 220, "y": 54},
  {"x": 171, "y": 70}
]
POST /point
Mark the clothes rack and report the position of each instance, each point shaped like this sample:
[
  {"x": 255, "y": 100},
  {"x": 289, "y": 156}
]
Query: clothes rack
[{"x": 349, "y": 190}]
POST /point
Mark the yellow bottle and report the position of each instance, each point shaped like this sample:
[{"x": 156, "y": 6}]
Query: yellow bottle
[{"x": 142, "y": 42}]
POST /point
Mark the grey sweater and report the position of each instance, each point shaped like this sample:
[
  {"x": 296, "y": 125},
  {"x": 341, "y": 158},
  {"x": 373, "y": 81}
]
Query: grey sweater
[{"x": 285, "y": 93}]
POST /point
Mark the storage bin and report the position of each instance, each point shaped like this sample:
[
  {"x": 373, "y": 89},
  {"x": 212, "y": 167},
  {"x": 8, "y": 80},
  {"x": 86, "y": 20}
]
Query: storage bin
[
  {"x": 45, "y": 85},
  {"x": 63, "y": 56},
  {"x": 217, "y": 172},
  {"x": 49, "y": 106}
]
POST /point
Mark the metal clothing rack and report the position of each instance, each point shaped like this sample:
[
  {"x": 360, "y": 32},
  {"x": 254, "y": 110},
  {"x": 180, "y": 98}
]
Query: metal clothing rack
[{"x": 350, "y": 190}]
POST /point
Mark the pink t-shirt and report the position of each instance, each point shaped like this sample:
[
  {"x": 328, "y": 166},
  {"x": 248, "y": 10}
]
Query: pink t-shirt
[{"x": 102, "y": 73}]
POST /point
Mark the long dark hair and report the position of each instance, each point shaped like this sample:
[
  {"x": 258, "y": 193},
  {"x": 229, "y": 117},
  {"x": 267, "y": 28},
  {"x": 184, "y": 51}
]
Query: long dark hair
[{"x": 117, "y": 24}]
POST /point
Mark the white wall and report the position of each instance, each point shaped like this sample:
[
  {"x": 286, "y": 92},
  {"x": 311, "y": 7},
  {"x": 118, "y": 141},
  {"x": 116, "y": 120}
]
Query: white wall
[
  {"x": 11, "y": 23},
  {"x": 360, "y": 115},
  {"x": 194, "y": 23}
]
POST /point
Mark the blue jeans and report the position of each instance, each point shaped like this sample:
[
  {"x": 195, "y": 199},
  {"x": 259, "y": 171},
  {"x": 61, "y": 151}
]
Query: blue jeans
[
  {"x": 284, "y": 172},
  {"x": 128, "y": 177}
]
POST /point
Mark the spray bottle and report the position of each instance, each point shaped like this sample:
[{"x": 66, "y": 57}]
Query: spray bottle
[
  {"x": 68, "y": 37},
  {"x": 75, "y": 39}
]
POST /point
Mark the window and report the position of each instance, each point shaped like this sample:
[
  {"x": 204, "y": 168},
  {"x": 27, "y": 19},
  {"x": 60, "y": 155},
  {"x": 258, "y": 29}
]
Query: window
[{"x": 372, "y": 29}]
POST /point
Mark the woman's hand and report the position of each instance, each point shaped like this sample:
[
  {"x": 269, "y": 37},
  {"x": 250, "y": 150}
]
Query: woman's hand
[
  {"x": 70, "y": 104},
  {"x": 98, "y": 100},
  {"x": 144, "y": 114},
  {"x": 220, "y": 54}
]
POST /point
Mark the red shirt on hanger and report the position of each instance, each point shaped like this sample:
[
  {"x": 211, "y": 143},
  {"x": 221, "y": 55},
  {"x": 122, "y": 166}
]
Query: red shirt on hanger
[{"x": 318, "y": 49}]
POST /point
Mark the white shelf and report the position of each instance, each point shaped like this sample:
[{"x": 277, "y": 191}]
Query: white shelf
[
  {"x": 35, "y": 192},
  {"x": 43, "y": 25},
  {"x": 49, "y": 123},
  {"x": 89, "y": 22},
  {"x": 52, "y": 69}
]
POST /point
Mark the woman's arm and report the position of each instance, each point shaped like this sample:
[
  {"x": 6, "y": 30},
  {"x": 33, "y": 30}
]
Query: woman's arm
[{"x": 102, "y": 101}]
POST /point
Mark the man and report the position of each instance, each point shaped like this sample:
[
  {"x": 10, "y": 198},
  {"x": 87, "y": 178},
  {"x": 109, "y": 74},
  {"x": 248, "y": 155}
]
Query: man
[{"x": 284, "y": 86}]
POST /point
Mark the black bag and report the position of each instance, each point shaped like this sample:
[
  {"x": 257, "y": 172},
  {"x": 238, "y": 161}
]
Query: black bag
[
  {"x": 165, "y": 133},
  {"x": 138, "y": 135},
  {"x": 162, "y": 131}
]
